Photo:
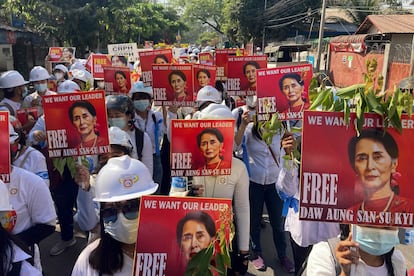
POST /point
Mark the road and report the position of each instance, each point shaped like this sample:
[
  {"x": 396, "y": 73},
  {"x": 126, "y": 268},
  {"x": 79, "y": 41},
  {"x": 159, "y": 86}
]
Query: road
[{"x": 62, "y": 265}]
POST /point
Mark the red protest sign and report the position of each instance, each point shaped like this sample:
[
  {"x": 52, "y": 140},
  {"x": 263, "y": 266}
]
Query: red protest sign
[
  {"x": 63, "y": 54},
  {"x": 221, "y": 61},
  {"x": 206, "y": 58},
  {"x": 203, "y": 75},
  {"x": 5, "y": 146},
  {"x": 201, "y": 147},
  {"x": 95, "y": 64},
  {"x": 23, "y": 115},
  {"x": 241, "y": 74},
  {"x": 117, "y": 80},
  {"x": 83, "y": 130},
  {"x": 359, "y": 180},
  {"x": 283, "y": 90},
  {"x": 173, "y": 84},
  {"x": 204, "y": 219},
  {"x": 147, "y": 58}
]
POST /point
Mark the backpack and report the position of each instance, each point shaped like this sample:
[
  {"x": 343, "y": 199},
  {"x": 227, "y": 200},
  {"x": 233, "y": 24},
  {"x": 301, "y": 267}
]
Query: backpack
[{"x": 332, "y": 242}]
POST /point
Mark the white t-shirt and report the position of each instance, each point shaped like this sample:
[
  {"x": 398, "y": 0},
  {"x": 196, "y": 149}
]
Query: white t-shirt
[
  {"x": 31, "y": 200},
  {"x": 321, "y": 263},
  {"x": 33, "y": 161},
  {"x": 83, "y": 268}
]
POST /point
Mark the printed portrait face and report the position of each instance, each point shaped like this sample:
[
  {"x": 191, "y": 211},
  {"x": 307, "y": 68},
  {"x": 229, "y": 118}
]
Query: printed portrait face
[
  {"x": 373, "y": 165},
  {"x": 292, "y": 90},
  {"x": 178, "y": 84},
  {"x": 250, "y": 73},
  {"x": 66, "y": 53},
  {"x": 120, "y": 80},
  {"x": 117, "y": 62},
  {"x": 194, "y": 238},
  {"x": 83, "y": 121},
  {"x": 160, "y": 60},
  {"x": 203, "y": 79},
  {"x": 210, "y": 146}
]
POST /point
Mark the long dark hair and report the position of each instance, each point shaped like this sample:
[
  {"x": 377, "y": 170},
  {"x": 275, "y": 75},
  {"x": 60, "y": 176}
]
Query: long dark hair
[
  {"x": 6, "y": 251},
  {"x": 107, "y": 257}
]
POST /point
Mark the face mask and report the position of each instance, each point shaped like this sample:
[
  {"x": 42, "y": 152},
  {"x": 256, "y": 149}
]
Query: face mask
[
  {"x": 58, "y": 76},
  {"x": 118, "y": 122},
  {"x": 376, "y": 241},
  {"x": 123, "y": 229},
  {"x": 40, "y": 87},
  {"x": 25, "y": 92},
  {"x": 100, "y": 84},
  {"x": 141, "y": 105}
]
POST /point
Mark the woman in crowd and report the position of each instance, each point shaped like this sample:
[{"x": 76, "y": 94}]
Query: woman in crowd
[{"x": 113, "y": 253}]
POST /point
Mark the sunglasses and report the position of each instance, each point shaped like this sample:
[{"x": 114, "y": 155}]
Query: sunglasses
[{"x": 129, "y": 209}]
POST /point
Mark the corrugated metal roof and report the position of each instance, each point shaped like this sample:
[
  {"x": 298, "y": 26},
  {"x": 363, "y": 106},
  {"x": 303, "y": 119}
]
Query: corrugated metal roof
[
  {"x": 388, "y": 24},
  {"x": 358, "y": 38}
]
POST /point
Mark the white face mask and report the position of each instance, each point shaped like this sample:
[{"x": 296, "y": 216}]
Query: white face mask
[
  {"x": 41, "y": 87},
  {"x": 123, "y": 229},
  {"x": 59, "y": 76},
  {"x": 118, "y": 122}
]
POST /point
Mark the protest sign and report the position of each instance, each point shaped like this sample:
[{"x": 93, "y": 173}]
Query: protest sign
[
  {"x": 201, "y": 147},
  {"x": 241, "y": 74},
  {"x": 76, "y": 124},
  {"x": 5, "y": 146},
  {"x": 61, "y": 54},
  {"x": 221, "y": 62},
  {"x": 117, "y": 80},
  {"x": 23, "y": 115},
  {"x": 203, "y": 75},
  {"x": 173, "y": 84},
  {"x": 96, "y": 63},
  {"x": 128, "y": 50},
  {"x": 283, "y": 90},
  {"x": 164, "y": 245},
  {"x": 147, "y": 58},
  {"x": 206, "y": 58},
  {"x": 359, "y": 180}
]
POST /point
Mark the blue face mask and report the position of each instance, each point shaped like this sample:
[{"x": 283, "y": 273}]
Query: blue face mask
[
  {"x": 25, "y": 92},
  {"x": 375, "y": 241},
  {"x": 118, "y": 122},
  {"x": 141, "y": 105},
  {"x": 40, "y": 87}
]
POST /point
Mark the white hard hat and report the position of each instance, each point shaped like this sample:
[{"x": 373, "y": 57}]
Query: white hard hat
[
  {"x": 38, "y": 73},
  {"x": 123, "y": 178},
  {"x": 11, "y": 78},
  {"x": 82, "y": 74},
  {"x": 61, "y": 67},
  {"x": 119, "y": 137},
  {"x": 140, "y": 88},
  {"x": 4, "y": 198},
  {"x": 68, "y": 86},
  {"x": 216, "y": 111},
  {"x": 13, "y": 136},
  {"x": 77, "y": 65},
  {"x": 251, "y": 101},
  {"x": 208, "y": 94}
]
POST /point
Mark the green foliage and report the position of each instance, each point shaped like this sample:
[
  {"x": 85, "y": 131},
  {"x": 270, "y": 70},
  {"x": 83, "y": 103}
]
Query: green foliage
[
  {"x": 363, "y": 98},
  {"x": 59, "y": 164},
  {"x": 94, "y": 24}
]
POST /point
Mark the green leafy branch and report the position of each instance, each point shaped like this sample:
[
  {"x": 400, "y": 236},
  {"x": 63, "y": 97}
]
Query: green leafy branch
[
  {"x": 363, "y": 98},
  {"x": 216, "y": 257},
  {"x": 60, "y": 163}
]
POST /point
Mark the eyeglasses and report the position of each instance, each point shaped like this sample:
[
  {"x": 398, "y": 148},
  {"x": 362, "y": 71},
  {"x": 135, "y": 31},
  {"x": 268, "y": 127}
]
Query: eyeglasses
[{"x": 129, "y": 209}]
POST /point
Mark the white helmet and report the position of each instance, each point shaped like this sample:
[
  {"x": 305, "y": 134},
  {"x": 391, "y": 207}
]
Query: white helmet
[
  {"x": 68, "y": 86},
  {"x": 140, "y": 88},
  {"x": 11, "y": 79},
  {"x": 77, "y": 65},
  {"x": 61, "y": 67},
  {"x": 38, "y": 73},
  {"x": 13, "y": 136},
  {"x": 82, "y": 74},
  {"x": 123, "y": 178},
  {"x": 119, "y": 137},
  {"x": 208, "y": 94},
  {"x": 251, "y": 101},
  {"x": 216, "y": 111},
  {"x": 4, "y": 198}
]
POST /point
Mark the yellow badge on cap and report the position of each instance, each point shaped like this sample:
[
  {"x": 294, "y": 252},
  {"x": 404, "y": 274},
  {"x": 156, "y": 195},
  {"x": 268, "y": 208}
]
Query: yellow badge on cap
[{"x": 128, "y": 180}]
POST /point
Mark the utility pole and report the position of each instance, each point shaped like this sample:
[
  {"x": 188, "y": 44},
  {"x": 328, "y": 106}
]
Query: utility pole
[
  {"x": 264, "y": 28},
  {"x": 321, "y": 29}
]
